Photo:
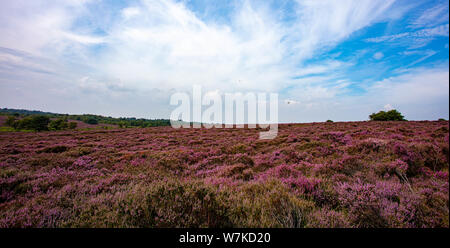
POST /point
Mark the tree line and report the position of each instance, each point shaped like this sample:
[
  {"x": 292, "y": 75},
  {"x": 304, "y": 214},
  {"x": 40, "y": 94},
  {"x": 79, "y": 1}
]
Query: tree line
[{"x": 40, "y": 121}]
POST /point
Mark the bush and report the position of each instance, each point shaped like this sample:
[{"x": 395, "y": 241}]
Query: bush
[
  {"x": 10, "y": 121},
  {"x": 392, "y": 115},
  {"x": 174, "y": 204},
  {"x": 269, "y": 204},
  {"x": 91, "y": 121},
  {"x": 330, "y": 121},
  {"x": 72, "y": 125},
  {"x": 37, "y": 123},
  {"x": 58, "y": 124},
  {"x": 54, "y": 149}
]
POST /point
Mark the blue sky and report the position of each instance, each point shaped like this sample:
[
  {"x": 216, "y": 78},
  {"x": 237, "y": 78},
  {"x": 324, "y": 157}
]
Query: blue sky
[{"x": 339, "y": 60}]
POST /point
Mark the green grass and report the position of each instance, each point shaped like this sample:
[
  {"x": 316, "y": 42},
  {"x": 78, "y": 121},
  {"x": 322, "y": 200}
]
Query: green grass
[
  {"x": 6, "y": 129},
  {"x": 10, "y": 129}
]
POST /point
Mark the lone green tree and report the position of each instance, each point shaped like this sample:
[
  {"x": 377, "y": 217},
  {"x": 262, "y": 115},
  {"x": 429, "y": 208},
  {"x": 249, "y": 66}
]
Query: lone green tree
[{"x": 391, "y": 115}]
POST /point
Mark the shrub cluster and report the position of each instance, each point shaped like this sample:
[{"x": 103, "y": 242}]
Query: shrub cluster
[
  {"x": 39, "y": 123},
  {"x": 91, "y": 119},
  {"x": 391, "y": 115}
]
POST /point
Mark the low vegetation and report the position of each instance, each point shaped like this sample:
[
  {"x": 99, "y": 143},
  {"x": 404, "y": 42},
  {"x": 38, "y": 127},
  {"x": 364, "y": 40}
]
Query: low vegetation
[{"x": 352, "y": 174}]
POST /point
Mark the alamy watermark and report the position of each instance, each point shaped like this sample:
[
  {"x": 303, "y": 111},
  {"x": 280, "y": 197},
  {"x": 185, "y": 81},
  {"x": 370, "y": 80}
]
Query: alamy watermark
[{"x": 262, "y": 111}]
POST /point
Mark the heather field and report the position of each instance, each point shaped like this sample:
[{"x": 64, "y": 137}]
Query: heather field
[{"x": 351, "y": 174}]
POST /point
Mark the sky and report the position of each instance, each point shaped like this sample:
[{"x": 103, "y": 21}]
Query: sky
[{"x": 339, "y": 60}]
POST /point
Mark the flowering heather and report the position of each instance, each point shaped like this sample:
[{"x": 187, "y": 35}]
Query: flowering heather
[{"x": 352, "y": 174}]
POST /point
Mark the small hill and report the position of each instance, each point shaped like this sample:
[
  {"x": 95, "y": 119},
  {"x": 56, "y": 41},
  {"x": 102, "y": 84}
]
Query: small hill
[{"x": 86, "y": 120}]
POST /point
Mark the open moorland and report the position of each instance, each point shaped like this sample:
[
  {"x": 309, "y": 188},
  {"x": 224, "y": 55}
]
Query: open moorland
[{"x": 349, "y": 174}]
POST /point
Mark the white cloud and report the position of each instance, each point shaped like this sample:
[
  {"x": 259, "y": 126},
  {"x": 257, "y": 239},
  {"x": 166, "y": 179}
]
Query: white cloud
[
  {"x": 414, "y": 39},
  {"x": 175, "y": 49},
  {"x": 441, "y": 30},
  {"x": 254, "y": 52},
  {"x": 313, "y": 31},
  {"x": 83, "y": 39},
  {"x": 164, "y": 45},
  {"x": 130, "y": 12},
  {"x": 425, "y": 54},
  {"x": 388, "y": 107},
  {"x": 419, "y": 94},
  {"x": 39, "y": 27},
  {"x": 431, "y": 17},
  {"x": 414, "y": 86},
  {"x": 378, "y": 55}
]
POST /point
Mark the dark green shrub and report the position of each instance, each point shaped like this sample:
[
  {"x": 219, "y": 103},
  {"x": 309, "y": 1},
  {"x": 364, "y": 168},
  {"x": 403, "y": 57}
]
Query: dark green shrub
[
  {"x": 72, "y": 125},
  {"x": 10, "y": 121},
  {"x": 37, "y": 123},
  {"x": 91, "y": 121},
  {"x": 392, "y": 115},
  {"x": 54, "y": 149},
  {"x": 58, "y": 124}
]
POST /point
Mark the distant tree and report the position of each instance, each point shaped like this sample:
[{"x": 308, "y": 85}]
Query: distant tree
[
  {"x": 442, "y": 119},
  {"x": 40, "y": 123},
  {"x": 53, "y": 125},
  {"x": 391, "y": 115},
  {"x": 10, "y": 121},
  {"x": 330, "y": 121},
  {"x": 58, "y": 124},
  {"x": 36, "y": 122},
  {"x": 122, "y": 124},
  {"x": 72, "y": 125},
  {"x": 92, "y": 121}
]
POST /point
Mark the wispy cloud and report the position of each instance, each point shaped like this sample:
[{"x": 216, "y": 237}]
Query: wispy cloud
[
  {"x": 152, "y": 39},
  {"x": 313, "y": 31},
  {"x": 426, "y": 33},
  {"x": 419, "y": 94},
  {"x": 432, "y": 16},
  {"x": 423, "y": 55}
]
